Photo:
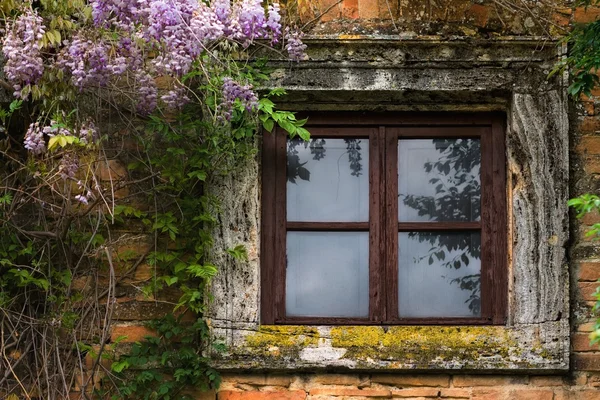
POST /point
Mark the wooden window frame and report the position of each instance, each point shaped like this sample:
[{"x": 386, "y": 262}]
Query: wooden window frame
[{"x": 383, "y": 131}]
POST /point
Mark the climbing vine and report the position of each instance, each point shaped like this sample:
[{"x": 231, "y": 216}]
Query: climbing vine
[{"x": 121, "y": 112}]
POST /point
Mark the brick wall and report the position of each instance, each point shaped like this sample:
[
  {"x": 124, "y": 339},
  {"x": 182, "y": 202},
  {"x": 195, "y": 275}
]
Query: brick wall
[{"x": 413, "y": 19}]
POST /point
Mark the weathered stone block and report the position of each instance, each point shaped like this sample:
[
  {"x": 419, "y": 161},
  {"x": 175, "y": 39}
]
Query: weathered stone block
[{"x": 411, "y": 380}]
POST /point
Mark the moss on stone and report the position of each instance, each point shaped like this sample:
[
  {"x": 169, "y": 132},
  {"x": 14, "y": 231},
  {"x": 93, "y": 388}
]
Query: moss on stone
[
  {"x": 277, "y": 341},
  {"x": 421, "y": 343}
]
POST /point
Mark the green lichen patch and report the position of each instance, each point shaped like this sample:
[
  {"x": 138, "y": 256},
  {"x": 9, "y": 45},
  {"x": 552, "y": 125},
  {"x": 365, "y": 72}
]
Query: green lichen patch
[{"x": 420, "y": 344}]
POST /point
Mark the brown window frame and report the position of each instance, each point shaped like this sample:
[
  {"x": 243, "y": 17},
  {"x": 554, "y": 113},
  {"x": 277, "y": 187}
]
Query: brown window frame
[{"x": 383, "y": 131}]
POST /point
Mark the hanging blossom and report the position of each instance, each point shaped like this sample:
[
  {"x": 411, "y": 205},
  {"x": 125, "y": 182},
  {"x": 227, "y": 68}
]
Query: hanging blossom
[
  {"x": 56, "y": 129},
  {"x": 69, "y": 165},
  {"x": 147, "y": 93},
  {"x": 88, "y": 133},
  {"x": 87, "y": 61},
  {"x": 274, "y": 22},
  {"x": 86, "y": 194},
  {"x": 251, "y": 16},
  {"x": 122, "y": 13},
  {"x": 22, "y": 49},
  {"x": 94, "y": 62},
  {"x": 295, "y": 48},
  {"x": 34, "y": 139},
  {"x": 176, "y": 98},
  {"x": 233, "y": 91}
]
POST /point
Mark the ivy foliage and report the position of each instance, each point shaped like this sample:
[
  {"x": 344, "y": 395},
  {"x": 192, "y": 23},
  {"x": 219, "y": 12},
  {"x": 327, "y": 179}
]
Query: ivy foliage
[
  {"x": 73, "y": 233},
  {"x": 583, "y": 58}
]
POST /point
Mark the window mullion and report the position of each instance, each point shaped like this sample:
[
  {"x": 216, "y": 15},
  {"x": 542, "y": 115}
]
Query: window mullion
[
  {"x": 280, "y": 226},
  {"x": 390, "y": 223},
  {"x": 376, "y": 260},
  {"x": 500, "y": 224},
  {"x": 487, "y": 278}
]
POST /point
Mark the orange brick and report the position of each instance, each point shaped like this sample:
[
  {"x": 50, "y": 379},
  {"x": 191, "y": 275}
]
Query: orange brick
[
  {"x": 309, "y": 9},
  {"x": 589, "y": 108},
  {"x": 587, "y": 362},
  {"x": 546, "y": 381},
  {"x": 369, "y": 9},
  {"x": 415, "y": 392},
  {"x": 487, "y": 394},
  {"x": 350, "y": 9},
  {"x": 336, "y": 379},
  {"x": 581, "y": 342},
  {"x": 587, "y": 289},
  {"x": 144, "y": 272},
  {"x": 255, "y": 395},
  {"x": 585, "y": 395},
  {"x": 376, "y": 393},
  {"x": 560, "y": 19},
  {"x": 479, "y": 14},
  {"x": 589, "y": 126},
  {"x": 586, "y": 326},
  {"x": 455, "y": 394},
  {"x": 412, "y": 380},
  {"x": 589, "y": 271},
  {"x": 591, "y": 218},
  {"x": 530, "y": 394},
  {"x": 592, "y": 165},
  {"x": 585, "y": 15},
  {"x": 589, "y": 145},
  {"x": 134, "y": 333},
  {"x": 111, "y": 170},
  {"x": 482, "y": 380}
]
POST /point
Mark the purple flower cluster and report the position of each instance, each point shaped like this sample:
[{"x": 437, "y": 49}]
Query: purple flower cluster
[
  {"x": 69, "y": 165},
  {"x": 34, "y": 139},
  {"x": 233, "y": 91},
  {"x": 251, "y": 16},
  {"x": 180, "y": 30},
  {"x": 122, "y": 13},
  {"x": 87, "y": 61},
  {"x": 56, "y": 129},
  {"x": 21, "y": 47},
  {"x": 295, "y": 48},
  {"x": 274, "y": 22},
  {"x": 147, "y": 93},
  {"x": 88, "y": 133},
  {"x": 176, "y": 98}
]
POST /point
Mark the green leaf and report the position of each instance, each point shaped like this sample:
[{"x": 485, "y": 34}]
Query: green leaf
[
  {"x": 268, "y": 125},
  {"x": 119, "y": 366},
  {"x": 303, "y": 133}
]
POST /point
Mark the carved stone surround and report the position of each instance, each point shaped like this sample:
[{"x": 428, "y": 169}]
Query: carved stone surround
[{"x": 386, "y": 74}]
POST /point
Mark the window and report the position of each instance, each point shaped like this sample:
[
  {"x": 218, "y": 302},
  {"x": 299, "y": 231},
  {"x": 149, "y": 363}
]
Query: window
[{"x": 385, "y": 219}]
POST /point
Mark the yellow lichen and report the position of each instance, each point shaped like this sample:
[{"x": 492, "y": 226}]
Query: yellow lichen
[
  {"x": 421, "y": 342},
  {"x": 279, "y": 340}
]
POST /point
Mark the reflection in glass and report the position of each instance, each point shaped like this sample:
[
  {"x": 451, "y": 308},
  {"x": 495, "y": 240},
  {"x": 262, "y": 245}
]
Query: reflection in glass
[
  {"x": 439, "y": 274},
  {"x": 327, "y": 274},
  {"x": 328, "y": 180},
  {"x": 439, "y": 180}
]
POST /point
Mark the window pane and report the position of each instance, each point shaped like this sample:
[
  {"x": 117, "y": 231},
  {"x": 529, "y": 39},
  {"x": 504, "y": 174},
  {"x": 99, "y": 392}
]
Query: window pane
[
  {"x": 439, "y": 274},
  {"x": 327, "y": 274},
  {"x": 328, "y": 180},
  {"x": 439, "y": 180}
]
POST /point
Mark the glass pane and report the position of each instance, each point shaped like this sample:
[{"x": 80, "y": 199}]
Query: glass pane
[
  {"x": 328, "y": 180},
  {"x": 439, "y": 180},
  {"x": 327, "y": 274},
  {"x": 439, "y": 274}
]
